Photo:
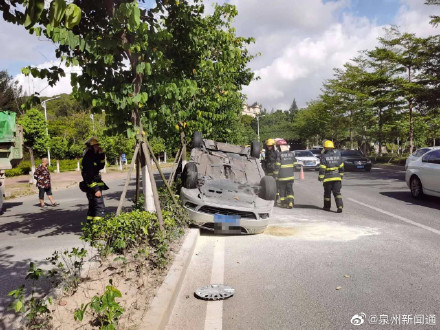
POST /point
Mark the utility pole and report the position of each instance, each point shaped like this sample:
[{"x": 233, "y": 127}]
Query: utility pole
[{"x": 47, "y": 124}]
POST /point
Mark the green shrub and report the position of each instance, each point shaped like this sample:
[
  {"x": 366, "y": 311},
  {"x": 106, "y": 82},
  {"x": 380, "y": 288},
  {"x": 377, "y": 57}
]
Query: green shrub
[
  {"x": 65, "y": 165},
  {"x": 23, "y": 168}
]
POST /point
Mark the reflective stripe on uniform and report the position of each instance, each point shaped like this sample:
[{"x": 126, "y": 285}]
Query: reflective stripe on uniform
[
  {"x": 290, "y": 196},
  {"x": 286, "y": 179},
  {"x": 327, "y": 199},
  {"x": 338, "y": 196},
  {"x": 89, "y": 218},
  {"x": 338, "y": 178},
  {"x": 342, "y": 165},
  {"x": 278, "y": 164},
  {"x": 287, "y": 166},
  {"x": 93, "y": 184},
  {"x": 275, "y": 172},
  {"x": 322, "y": 176},
  {"x": 101, "y": 184},
  {"x": 283, "y": 198},
  {"x": 97, "y": 218},
  {"x": 322, "y": 166},
  {"x": 332, "y": 168},
  {"x": 341, "y": 174}
]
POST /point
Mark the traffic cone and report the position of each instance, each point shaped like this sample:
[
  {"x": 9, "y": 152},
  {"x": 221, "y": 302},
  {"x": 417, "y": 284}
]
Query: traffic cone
[{"x": 301, "y": 174}]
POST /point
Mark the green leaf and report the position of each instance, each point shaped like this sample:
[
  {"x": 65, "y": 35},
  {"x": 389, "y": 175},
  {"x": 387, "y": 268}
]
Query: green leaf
[
  {"x": 140, "y": 67},
  {"x": 26, "y": 71},
  {"x": 33, "y": 12},
  {"x": 73, "y": 16},
  {"x": 148, "y": 69},
  {"x": 56, "y": 12}
]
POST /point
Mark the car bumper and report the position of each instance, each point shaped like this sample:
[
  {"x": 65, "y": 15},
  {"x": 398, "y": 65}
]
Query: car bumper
[{"x": 257, "y": 224}]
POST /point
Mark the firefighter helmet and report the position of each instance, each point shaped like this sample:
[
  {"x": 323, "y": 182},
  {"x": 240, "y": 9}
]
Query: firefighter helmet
[
  {"x": 329, "y": 144},
  {"x": 270, "y": 142},
  {"x": 92, "y": 141}
]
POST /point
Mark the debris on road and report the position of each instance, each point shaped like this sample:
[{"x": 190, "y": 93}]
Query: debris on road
[{"x": 214, "y": 292}]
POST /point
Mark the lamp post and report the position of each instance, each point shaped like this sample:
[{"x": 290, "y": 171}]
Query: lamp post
[{"x": 45, "y": 117}]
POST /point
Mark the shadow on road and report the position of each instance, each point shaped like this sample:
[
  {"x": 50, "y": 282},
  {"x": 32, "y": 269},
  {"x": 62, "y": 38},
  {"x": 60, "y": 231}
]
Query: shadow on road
[
  {"x": 405, "y": 196},
  {"x": 10, "y": 205},
  {"x": 16, "y": 270},
  {"x": 375, "y": 174},
  {"x": 304, "y": 206},
  {"x": 50, "y": 222}
]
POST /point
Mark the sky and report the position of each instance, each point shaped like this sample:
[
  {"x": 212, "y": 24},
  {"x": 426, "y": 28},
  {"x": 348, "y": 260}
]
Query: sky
[{"x": 300, "y": 43}]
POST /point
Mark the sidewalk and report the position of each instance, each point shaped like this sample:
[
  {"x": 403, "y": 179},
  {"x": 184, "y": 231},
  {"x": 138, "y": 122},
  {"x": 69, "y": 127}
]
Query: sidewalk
[{"x": 18, "y": 186}]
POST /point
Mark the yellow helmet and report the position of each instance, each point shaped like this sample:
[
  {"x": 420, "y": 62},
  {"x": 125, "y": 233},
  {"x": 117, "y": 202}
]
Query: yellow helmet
[
  {"x": 329, "y": 144},
  {"x": 270, "y": 142},
  {"x": 92, "y": 141}
]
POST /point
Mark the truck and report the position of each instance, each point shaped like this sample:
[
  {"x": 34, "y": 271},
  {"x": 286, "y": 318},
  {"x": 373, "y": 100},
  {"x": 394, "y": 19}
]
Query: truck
[{"x": 11, "y": 147}]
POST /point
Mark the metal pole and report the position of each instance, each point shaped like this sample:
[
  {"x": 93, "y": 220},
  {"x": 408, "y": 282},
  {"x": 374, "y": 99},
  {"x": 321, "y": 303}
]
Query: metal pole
[{"x": 258, "y": 127}]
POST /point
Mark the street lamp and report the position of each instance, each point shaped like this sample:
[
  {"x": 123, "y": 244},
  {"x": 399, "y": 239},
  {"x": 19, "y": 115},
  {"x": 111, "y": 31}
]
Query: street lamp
[{"x": 45, "y": 116}]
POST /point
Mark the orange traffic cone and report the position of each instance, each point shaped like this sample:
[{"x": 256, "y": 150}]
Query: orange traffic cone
[{"x": 301, "y": 174}]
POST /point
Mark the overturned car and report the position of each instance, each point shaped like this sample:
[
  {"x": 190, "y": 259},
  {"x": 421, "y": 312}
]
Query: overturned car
[{"x": 224, "y": 187}]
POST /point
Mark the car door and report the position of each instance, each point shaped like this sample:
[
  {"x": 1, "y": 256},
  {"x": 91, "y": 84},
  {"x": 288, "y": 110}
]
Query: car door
[{"x": 430, "y": 171}]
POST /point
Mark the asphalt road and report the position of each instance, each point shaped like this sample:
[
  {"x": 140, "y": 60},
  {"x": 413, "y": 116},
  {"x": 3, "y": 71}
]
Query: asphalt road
[
  {"x": 29, "y": 234},
  {"x": 313, "y": 269}
]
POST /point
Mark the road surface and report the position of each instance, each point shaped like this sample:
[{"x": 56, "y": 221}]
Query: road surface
[{"x": 377, "y": 263}]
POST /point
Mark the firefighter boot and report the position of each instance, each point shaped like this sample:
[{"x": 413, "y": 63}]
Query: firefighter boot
[
  {"x": 339, "y": 203},
  {"x": 327, "y": 204}
]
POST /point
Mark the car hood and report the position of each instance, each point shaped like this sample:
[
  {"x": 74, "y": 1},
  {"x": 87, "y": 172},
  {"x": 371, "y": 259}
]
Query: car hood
[{"x": 355, "y": 159}]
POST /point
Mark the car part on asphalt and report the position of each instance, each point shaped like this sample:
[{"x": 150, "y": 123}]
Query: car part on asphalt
[
  {"x": 215, "y": 292},
  {"x": 416, "y": 188}
]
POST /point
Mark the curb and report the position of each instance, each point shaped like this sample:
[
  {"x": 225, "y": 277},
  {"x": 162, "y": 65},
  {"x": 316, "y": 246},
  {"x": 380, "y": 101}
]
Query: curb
[
  {"x": 391, "y": 167},
  {"x": 163, "y": 303}
]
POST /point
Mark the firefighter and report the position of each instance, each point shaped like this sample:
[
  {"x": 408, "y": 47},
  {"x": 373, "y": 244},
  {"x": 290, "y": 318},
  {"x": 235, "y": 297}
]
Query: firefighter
[
  {"x": 286, "y": 175},
  {"x": 331, "y": 172},
  {"x": 271, "y": 159},
  {"x": 92, "y": 162}
]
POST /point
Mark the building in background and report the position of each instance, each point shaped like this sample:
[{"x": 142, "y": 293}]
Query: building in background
[{"x": 251, "y": 110}]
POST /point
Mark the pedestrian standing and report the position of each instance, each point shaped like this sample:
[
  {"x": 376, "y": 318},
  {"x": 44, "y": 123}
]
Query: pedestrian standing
[
  {"x": 42, "y": 175},
  {"x": 92, "y": 162},
  {"x": 331, "y": 172}
]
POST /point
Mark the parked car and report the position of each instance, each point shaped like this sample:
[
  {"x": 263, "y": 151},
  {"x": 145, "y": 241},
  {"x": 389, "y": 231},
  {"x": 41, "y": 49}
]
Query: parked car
[
  {"x": 355, "y": 160},
  {"x": 317, "y": 153},
  {"x": 224, "y": 186},
  {"x": 307, "y": 159},
  {"x": 423, "y": 174},
  {"x": 417, "y": 154}
]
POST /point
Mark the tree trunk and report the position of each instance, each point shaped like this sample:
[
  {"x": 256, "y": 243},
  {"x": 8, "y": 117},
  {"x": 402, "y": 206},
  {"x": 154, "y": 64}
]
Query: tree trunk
[
  {"x": 77, "y": 165},
  {"x": 380, "y": 133},
  {"x": 120, "y": 162},
  {"x": 351, "y": 130},
  {"x": 411, "y": 128},
  {"x": 31, "y": 155},
  {"x": 58, "y": 166},
  {"x": 138, "y": 169},
  {"x": 183, "y": 142},
  {"x": 146, "y": 185}
]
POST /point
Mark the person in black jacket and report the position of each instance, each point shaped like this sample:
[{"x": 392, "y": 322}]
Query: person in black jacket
[
  {"x": 331, "y": 172},
  {"x": 286, "y": 175},
  {"x": 92, "y": 162}
]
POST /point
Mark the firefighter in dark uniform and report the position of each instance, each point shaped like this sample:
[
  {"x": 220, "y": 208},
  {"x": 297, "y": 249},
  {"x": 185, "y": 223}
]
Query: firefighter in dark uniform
[
  {"x": 271, "y": 159},
  {"x": 331, "y": 172},
  {"x": 92, "y": 162},
  {"x": 286, "y": 175}
]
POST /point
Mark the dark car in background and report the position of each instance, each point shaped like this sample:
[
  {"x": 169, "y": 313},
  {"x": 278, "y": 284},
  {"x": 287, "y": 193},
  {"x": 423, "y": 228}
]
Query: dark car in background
[{"x": 354, "y": 160}]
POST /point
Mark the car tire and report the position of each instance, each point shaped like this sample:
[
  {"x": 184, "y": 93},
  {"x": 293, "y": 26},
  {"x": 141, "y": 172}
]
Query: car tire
[
  {"x": 197, "y": 140},
  {"x": 190, "y": 176},
  {"x": 255, "y": 149},
  {"x": 416, "y": 187},
  {"x": 268, "y": 188}
]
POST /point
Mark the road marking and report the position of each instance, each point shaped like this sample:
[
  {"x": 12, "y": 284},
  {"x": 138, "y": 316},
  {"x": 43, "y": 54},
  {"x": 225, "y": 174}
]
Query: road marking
[
  {"x": 435, "y": 231},
  {"x": 214, "y": 309}
]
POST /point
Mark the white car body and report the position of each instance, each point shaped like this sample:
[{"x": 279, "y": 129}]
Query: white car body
[
  {"x": 307, "y": 161},
  {"x": 426, "y": 169},
  {"x": 417, "y": 154}
]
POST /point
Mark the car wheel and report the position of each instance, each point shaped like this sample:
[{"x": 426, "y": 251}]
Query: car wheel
[
  {"x": 268, "y": 190},
  {"x": 255, "y": 149},
  {"x": 197, "y": 140},
  {"x": 416, "y": 188},
  {"x": 190, "y": 176}
]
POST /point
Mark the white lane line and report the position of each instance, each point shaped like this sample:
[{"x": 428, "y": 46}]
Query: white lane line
[
  {"x": 435, "y": 231},
  {"x": 214, "y": 309}
]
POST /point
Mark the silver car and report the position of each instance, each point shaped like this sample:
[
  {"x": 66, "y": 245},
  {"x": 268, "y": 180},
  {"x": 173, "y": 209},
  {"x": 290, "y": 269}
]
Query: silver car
[
  {"x": 417, "y": 154},
  {"x": 423, "y": 174},
  {"x": 224, "y": 188}
]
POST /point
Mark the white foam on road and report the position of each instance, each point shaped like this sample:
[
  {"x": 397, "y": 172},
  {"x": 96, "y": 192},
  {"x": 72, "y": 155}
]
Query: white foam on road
[
  {"x": 214, "y": 309},
  {"x": 432, "y": 230},
  {"x": 336, "y": 232}
]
